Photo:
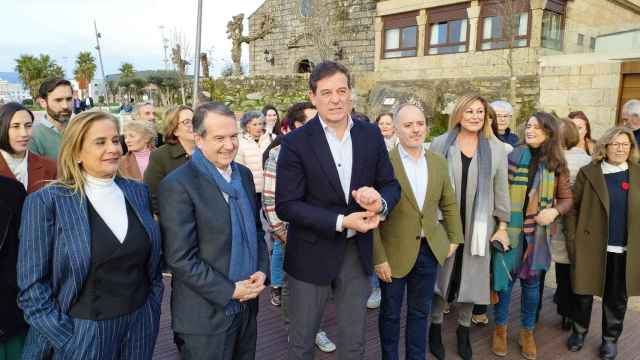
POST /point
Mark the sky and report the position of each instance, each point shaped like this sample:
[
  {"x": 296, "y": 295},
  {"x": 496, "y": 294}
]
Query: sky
[{"x": 129, "y": 29}]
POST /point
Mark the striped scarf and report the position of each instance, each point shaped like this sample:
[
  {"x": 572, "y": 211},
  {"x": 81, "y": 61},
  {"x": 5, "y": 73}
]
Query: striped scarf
[{"x": 527, "y": 262}]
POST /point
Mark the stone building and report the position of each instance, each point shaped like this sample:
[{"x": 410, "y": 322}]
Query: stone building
[
  {"x": 554, "y": 55},
  {"x": 437, "y": 49},
  {"x": 308, "y": 31}
]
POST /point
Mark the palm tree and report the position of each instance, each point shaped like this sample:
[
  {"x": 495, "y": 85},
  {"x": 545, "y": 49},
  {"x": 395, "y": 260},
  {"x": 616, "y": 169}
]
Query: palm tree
[
  {"x": 127, "y": 71},
  {"x": 85, "y": 69},
  {"x": 34, "y": 70}
]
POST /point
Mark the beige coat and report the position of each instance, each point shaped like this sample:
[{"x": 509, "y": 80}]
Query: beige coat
[{"x": 250, "y": 155}]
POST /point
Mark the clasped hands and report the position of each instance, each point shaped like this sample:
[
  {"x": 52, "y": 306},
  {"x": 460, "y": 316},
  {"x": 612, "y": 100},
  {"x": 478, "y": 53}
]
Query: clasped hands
[
  {"x": 250, "y": 288},
  {"x": 362, "y": 221}
]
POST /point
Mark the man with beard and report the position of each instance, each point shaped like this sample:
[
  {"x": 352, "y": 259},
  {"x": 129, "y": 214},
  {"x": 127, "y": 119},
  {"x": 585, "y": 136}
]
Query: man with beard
[{"x": 56, "y": 96}]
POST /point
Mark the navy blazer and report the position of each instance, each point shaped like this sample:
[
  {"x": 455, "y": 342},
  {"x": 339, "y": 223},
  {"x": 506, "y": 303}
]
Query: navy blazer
[
  {"x": 196, "y": 230},
  {"x": 54, "y": 260},
  {"x": 309, "y": 196}
]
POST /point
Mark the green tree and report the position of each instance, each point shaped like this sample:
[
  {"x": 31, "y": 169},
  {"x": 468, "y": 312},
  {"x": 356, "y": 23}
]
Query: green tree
[
  {"x": 127, "y": 71},
  {"x": 168, "y": 84},
  {"x": 85, "y": 69},
  {"x": 34, "y": 70}
]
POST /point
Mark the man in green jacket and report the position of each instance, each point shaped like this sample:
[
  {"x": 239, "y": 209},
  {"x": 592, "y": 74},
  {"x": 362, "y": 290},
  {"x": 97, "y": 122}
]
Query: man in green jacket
[{"x": 412, "y": 243}]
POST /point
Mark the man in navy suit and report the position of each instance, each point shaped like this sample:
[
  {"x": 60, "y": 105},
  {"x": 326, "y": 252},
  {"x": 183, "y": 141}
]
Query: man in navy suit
[{"x": 334, "y": 183}]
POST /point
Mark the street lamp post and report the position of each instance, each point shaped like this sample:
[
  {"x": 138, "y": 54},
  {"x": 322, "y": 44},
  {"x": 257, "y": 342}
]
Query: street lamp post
[{"x": 196, "y": 58}]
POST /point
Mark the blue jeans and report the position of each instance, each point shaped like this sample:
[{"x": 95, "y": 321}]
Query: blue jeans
[
  {"x": 419, "y": 284},
  {"x": 277, "y": 262},
  {"x": 530, "y": 298},
  {"x": 375, "y": 282}
]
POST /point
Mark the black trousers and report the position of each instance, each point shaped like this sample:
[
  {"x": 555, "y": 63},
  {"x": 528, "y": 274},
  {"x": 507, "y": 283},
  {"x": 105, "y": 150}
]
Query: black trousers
[
  {"x": 236, "y": 341},
  {"x": 614, "y": 300},
  {"x": 564, "y": 296}
]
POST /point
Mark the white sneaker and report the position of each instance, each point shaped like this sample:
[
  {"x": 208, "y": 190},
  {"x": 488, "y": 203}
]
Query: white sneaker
[
  {"x": 374, "y": 299},
  {"x": 323, "y": 342}
]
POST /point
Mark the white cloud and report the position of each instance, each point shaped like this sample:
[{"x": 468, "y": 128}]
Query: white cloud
[{"x": 130, "y": 29}]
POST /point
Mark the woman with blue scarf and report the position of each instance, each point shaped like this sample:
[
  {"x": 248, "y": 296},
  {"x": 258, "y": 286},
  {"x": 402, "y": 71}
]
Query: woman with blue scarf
[{"x": 540, "y": 191}]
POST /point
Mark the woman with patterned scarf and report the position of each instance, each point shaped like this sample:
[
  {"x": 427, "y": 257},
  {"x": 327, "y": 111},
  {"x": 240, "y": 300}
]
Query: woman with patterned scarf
[
  {"x": 478, "y": 171},
  {"x": 540, "y": 191}
]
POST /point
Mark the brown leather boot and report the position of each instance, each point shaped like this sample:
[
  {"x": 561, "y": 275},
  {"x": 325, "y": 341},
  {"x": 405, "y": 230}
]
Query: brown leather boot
[
  {"x": 499, "y": 342},
  {"x": 527, "y": 344}
]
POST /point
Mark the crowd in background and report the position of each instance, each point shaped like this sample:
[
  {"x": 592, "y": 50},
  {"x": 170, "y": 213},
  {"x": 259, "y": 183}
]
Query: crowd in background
[{"x": 91, "y": 217}]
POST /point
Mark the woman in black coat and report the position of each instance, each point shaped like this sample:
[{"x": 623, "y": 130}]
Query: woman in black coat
[{"x": 13, "y": 328}]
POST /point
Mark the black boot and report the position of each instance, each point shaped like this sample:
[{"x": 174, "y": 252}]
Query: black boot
[
  {"x": 576, "y": 341},
  {"x": 608, "y": 350},
  {"x": 464, "y": 344},
  {"x": 435, "y": 341}
]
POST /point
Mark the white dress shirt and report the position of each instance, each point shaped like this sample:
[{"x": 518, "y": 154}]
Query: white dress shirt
[
  {"x": 226, "y": 174},
  {"x": 342, "y": 153},
  {"x": 418, "y": 175}
]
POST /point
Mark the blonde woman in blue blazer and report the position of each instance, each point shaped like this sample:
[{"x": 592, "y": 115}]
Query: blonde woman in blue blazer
[{"x": 88, "y": 263}]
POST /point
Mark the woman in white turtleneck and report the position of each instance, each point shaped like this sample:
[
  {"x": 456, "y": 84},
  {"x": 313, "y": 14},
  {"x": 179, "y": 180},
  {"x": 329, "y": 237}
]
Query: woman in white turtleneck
[
  {"x": 140, "y": 137},
  {"x": 385, "y": 123},
  {"x": 16, "y": 161},
  {"x": 96, "y": 274}
]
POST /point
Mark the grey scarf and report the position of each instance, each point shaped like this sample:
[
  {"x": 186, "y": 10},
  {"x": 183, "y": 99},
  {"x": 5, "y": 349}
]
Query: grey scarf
[{"x": 479, "y": 224}]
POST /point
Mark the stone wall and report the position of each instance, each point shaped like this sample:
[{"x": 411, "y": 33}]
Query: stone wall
[
  {"x": 589, "y": 83},
  {"x": 252, "y": 93},
  {"x": 595, "y": 17},
  {"x": 438, "y": 95},
  {"x": 348, "y": 23}
]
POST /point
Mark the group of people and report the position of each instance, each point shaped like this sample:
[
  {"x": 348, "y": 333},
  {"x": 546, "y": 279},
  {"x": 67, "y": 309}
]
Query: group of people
[{"x": 320, "y": 206}]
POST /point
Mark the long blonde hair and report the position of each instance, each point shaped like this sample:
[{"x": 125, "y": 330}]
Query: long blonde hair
[
  {"x": 70, "y": 173},
  {"x": 462, "y": 104}
]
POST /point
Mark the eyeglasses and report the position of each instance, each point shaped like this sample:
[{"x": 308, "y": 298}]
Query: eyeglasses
[
  {"x": 186, "y": 122},
  {"x": 623, "y": 146}
]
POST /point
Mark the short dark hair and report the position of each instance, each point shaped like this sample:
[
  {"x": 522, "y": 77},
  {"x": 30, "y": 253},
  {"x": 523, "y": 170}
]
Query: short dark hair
[
  {"x": 201, "y": 113},
  {"x": 324, "y": 70},
  {"x": 295, "y": 113},
  {"x": 7, "y": 111},
  {"x": 51, "y": 84}
]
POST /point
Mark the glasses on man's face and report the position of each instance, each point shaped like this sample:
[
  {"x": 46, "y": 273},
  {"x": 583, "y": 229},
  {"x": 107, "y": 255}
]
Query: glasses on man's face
[{"x": 624, "y": 146}]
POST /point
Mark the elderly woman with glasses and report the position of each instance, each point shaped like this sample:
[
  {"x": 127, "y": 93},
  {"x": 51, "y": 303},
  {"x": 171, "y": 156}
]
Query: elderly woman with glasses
[
  {"x": 602, "y": 239},
  {"x": 179, "y": 144},
  {"x": 504, "y": 114}
]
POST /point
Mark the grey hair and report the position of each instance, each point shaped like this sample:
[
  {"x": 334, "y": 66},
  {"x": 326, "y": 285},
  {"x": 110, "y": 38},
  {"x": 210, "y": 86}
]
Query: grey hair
[
  {"x": 396, "y": 112},
  {"x": 209, "y": 107},
  {"x": 142, "y": 127},
  {"x": 139, "y": 106},
  {"x": 503, "y": 106},
  {"x": 600, "y": 151},
  {"x": 632, "y": 107},
  {"x": 248, "y": 116}
]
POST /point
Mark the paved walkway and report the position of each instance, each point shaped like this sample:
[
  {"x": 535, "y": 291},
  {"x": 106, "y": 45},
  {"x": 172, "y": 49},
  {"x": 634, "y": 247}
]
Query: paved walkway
[{"x": 272, "y": 337}]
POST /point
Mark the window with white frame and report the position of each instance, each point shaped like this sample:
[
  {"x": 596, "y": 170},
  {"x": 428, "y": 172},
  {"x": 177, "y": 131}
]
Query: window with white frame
[
  {"x": 448, "y": 29},
  {"x": 504, "y": 24},
  {"x": 400, "y": 37}
]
